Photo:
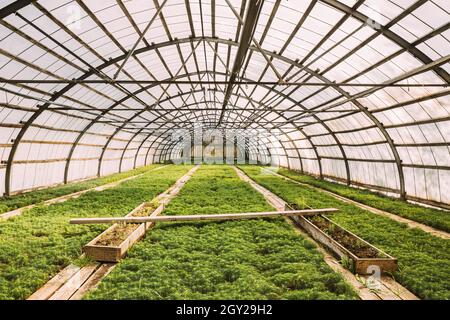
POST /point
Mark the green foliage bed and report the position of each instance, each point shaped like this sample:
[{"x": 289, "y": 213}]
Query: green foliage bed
[
  {"x": 40, "y": 242},
  {"x": 248, "y": 259},
  {"x": 424, "y": 260},
  {"x": 436, "y": 218},
  {"x": 33, "y": 197}
]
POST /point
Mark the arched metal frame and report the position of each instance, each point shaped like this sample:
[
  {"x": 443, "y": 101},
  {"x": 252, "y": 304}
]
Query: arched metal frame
[
  {"x": 136, "y": 115},
  {"x": 169, "y": 146},
  {"x": 184, "y": 93},
  {"x": 428, "y": 64}
]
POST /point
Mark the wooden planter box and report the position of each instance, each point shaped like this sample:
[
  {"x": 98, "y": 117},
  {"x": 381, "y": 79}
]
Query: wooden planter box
[
  {"x": 363, "y": 266},
  {"x": 115, "y": 253}
]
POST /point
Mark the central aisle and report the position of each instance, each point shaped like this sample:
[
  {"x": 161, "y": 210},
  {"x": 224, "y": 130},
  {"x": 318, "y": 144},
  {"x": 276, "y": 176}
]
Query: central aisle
[{"x": 251, "y": 259}]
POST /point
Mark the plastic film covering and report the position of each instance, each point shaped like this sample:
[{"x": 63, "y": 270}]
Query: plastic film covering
[{"x": 355, "y": 91}]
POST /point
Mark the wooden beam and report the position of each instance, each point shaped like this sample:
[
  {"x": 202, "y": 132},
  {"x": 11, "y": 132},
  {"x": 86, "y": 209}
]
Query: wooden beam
[{"x": 200, "y": 217}]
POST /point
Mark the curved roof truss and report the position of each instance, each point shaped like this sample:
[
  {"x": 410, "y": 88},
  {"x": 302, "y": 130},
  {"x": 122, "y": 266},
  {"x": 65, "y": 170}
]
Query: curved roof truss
[{"x": 342, "y": 89}]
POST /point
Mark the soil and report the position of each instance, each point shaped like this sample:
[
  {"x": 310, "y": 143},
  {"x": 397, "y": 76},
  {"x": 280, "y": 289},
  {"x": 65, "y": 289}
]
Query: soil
[
  {"x": 145, "y": 210},
  {"x": 117, "y": 235},
  {"x": 354, "y": 245},
  {"x": 121, "y": 231}
]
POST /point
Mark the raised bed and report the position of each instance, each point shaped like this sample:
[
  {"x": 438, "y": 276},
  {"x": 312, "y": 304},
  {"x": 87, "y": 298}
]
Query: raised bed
[
  {"x": 358, "y": 255},
  {"x": 113, "y": 244}
]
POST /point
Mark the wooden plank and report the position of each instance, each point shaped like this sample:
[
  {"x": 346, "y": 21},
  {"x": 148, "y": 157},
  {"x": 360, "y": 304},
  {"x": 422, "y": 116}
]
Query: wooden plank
[
  {"x": 55, "y": 283},
  {"x": 363, "y": 292},
  {"x": 116, "y": 253},
  {"x": 319, "y": 236},
  {"x": 103, "y": 253},
  {"x": 377, "y": 287},
  {"x": 387, "y": 265},
  {"x": 201, "y": 217},
  {"x": 74, "y": 283},
  {"x": 14, "y": 213},
  {"x": 398, "y": 289},
  {"x": 134, "y": 237},
  {"x": 386, "y": 294},
  {"x": 93, "y": 281}
]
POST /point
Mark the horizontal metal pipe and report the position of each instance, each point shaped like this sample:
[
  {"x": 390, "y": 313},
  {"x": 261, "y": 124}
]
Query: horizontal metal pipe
[
  {"x": 205, "y": 82},
  {"x": 204, "y": 109}
]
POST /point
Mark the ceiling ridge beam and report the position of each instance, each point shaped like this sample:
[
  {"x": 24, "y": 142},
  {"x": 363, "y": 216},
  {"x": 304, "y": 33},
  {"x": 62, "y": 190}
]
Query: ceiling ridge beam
[{"x": 253, "y": 11}]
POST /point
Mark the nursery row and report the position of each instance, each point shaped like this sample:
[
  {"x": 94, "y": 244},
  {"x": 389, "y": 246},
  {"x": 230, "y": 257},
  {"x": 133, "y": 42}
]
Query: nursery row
[
  {"x": 247, "y": 259},
  {"x": 436, "y": 218},
  {"x": 33, "y": 197},
  {"x": 424, "y": 260},
  {"x": 40, "y": 242}
]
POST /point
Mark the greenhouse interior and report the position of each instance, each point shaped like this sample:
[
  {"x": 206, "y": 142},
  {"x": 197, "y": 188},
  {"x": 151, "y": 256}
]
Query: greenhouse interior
[{"x": 224, "y": 150}]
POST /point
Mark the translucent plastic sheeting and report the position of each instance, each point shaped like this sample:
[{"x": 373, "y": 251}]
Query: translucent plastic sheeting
[{"x": 368, "y": 132}]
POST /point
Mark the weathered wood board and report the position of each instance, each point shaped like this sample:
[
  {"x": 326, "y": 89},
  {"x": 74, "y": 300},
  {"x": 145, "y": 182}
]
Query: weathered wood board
[
  {"x": 363, "y": 266},
  {"x": 115, "y": 253},
  {"x": 203, "y": 217},
  {"x": 111, "y": 253}
]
